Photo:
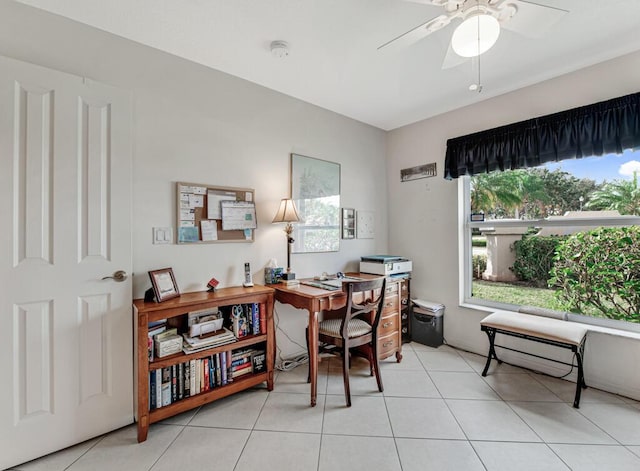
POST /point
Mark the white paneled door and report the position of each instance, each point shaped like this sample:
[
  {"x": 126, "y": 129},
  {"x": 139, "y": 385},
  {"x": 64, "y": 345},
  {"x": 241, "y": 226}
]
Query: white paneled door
[{"x": 65, "y": 224}]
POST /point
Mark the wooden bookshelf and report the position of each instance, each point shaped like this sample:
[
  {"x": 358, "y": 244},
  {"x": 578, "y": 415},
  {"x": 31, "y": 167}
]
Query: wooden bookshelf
[{"x": 175, "y": 311}]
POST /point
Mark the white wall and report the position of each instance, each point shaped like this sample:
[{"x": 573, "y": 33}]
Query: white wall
[
  {"x": 423, "y": 214},
  {"x": 198, "y": 125}
]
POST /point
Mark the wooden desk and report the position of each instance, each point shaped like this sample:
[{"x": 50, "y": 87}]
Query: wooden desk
[{"x": 314, "y": 300}]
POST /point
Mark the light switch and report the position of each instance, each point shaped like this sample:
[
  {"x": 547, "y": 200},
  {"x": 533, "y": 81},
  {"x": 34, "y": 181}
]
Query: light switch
[{"x": 162, "y": 235}]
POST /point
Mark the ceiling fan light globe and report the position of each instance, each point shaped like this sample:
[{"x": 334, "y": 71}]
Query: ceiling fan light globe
[{"x": 465, "y": 41}]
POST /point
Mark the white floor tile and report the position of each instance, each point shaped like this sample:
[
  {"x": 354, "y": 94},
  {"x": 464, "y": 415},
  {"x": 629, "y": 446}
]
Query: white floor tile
[
  {"x": 635, "y": 449},
  {"x": 422, "y": 418},
  {"x": 360, "y": 382},
  {"x": 453, "y": 385},
  {"x": 358, "y": 454},
  {"x": 238, "y": 411},
  {"x": 366, "y": 416},
  {"x": 443, "y": 361},
  {"x": 279, "y": 451},
  {"x": 295, "y": 381},
  {"x": 419, "y": 347},
  {"x": 180, "y": 419},
  {"x": 597, "y": 458},
  {"x": 566, "y": 390},
  {"x": 477, "y": 362},
  {"x": 491, "y": 420},
  {"x": 408, "y": 384},
  {"x": 520, "y": 387},
  {"x": 621, "y": 421},
  {"x": 441, "y": 455},
  {"x": 501, "y": 456},
  {"x": 61, "y": 460},
  {"x": 409, "y": 362},
  {"x": 288, "y": 412},
  {"x": 121, "y": 450},
  {"x": 560, "y": 423},
  {"x": 188, "y": 450}
]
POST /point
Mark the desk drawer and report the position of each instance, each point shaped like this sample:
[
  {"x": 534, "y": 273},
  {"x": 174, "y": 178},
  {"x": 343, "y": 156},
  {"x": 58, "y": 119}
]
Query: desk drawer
[
  {"x": 391, "y": 304},
  {"x": 388, "y": 325},
  {"x": 388, "y": 345},
  {"x": 391, "y": 288}
]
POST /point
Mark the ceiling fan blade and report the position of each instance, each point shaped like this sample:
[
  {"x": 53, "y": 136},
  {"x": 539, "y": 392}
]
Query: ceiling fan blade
[
  {"x": 416, "y": 34},
  {"x": 451, "y": 59},
  {"x": 533, "y": 20}
]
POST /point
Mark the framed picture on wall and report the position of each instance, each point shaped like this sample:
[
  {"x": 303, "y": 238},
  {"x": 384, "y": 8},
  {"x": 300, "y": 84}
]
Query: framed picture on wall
[{"x": 348, "y": 223}]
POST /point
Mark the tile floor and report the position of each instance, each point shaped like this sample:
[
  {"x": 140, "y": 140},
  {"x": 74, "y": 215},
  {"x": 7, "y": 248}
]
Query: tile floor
[{"x": 437, "y": 413}]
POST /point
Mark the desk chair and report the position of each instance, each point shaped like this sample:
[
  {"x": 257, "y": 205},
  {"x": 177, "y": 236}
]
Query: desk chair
[{"x": 355, "y": 326}]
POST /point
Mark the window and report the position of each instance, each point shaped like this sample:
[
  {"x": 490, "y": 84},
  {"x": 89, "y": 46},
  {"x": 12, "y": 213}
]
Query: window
[{"x": 534, "y": 243}]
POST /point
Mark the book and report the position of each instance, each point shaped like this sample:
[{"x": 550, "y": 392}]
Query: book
[
  {"x": 255, "y": 315},
  {"x": 263, "y": 319},
  {"x": 259, "y": 361},
  {"x": 198, "y": 372},
  {"x": 174, "y": 383},
  {"x": 158, "y": 373},
  {"x": 166, "y": 386},
  {"x": 180, "y": 381},
  {"x": 242, "y": 370},
  {"x": 192, "y": 377},
  {"x": 218, "y": 370},
  {"x": 223, "y": 368},
  {"x": 211, "y": 377},
  {"x": 205, "y": 368},
  {"x": 228, "y": 365},
  {"x": 187, "y": 379},
  {"x": 152, "y": 390}
]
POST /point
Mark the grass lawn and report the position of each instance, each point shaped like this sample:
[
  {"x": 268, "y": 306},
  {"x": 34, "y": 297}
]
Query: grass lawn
[
  {"x": 516, "y": 294},
  {"x": 523, "y": 295}
]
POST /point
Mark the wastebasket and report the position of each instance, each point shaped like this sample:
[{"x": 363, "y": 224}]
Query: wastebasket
[{"x": 427, "y": 323}]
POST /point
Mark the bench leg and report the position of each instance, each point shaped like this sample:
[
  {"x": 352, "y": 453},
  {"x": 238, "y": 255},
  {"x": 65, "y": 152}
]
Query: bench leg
[
  {"x": 580, "y": 383},
  {"x": 491, "y": 333}
]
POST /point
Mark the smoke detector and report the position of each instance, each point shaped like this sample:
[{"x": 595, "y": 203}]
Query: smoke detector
[{"x": 279, "y": 49}]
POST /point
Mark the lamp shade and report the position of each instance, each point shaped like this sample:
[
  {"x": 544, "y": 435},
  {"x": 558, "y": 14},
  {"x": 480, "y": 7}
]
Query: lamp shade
[
  {"x": 287, "y": 212},
  {"x": 475, "y": 35}
]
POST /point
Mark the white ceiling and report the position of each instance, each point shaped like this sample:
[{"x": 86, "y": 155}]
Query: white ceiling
[{"x": 334, "y": 62}]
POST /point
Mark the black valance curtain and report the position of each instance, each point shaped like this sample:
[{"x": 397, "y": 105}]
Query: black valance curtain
[{"x": 602, "y": 128}]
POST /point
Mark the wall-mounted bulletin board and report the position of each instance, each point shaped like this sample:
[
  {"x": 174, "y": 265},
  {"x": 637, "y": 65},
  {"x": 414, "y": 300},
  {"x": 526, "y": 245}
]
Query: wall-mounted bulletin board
[{"x": 210, "y": 214}]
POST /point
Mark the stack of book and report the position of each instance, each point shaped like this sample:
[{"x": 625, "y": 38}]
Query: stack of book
[{"x": 214, "y": 339}]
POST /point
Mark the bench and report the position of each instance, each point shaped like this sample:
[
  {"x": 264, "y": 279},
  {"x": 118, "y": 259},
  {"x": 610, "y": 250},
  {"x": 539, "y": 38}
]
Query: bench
[{"x": 542, "y": 326}]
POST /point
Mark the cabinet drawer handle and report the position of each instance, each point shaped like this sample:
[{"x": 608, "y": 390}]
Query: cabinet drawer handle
[
  {"x": 405, "y": 330},
  {"x": 386, "y": 344},
  {"x": 388, "y": 305},
  {"x": 387, "y": 324}
]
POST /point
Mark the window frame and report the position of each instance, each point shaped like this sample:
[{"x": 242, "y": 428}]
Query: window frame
[{"x": 466, "y": 254}]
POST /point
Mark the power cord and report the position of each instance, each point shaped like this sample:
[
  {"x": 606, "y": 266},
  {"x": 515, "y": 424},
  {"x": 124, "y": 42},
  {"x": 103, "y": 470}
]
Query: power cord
[{"x": 288, "y": 364}]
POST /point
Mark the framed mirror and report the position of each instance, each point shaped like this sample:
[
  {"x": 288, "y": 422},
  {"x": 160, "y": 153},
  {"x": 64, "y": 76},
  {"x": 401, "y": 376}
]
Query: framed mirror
[{"x": 315, "y": 188}]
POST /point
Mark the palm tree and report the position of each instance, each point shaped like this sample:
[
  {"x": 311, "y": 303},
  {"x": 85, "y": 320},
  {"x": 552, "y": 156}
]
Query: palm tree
[
  {"x": 620, "y": 195},
  {"x": 490, "y": 191}
]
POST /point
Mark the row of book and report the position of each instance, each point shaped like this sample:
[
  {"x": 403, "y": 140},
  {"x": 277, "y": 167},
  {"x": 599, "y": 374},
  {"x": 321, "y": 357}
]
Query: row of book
[
  {"x": 180, "y": 381},
  {"x": 248, "y": 319}
]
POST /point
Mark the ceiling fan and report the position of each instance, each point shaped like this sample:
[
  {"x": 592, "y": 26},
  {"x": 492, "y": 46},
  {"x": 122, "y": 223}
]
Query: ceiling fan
[{"x": 481, "y": 23}]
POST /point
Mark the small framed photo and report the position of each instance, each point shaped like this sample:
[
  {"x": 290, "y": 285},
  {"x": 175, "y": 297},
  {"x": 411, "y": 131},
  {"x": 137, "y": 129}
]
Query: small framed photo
[{"x": 164, "y": 284}]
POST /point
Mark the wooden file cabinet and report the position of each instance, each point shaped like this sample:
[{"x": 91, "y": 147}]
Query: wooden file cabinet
[{"x": 390, "y": 326}]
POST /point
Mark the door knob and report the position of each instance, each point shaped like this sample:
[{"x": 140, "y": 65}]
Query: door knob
[{"x": 118, "y": 276}]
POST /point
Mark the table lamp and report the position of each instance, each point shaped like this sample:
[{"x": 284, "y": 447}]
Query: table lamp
[{"x": 288, "y": 213}]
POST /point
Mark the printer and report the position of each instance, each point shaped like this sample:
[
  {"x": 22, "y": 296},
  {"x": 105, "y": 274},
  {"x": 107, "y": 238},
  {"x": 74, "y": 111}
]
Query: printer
[{"x": 384, "y": 265}]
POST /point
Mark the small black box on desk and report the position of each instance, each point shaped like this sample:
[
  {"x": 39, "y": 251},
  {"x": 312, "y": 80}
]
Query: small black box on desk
[{"x": 427, "y": 324}]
